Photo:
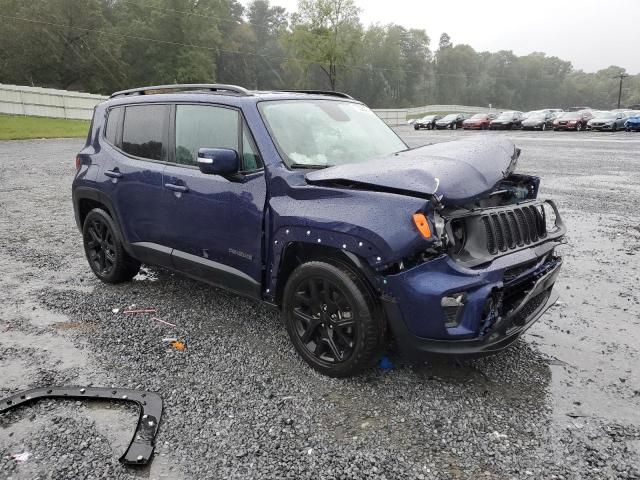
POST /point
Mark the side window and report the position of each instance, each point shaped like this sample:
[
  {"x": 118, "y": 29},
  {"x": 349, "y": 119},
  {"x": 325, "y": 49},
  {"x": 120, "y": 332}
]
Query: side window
[
  {"x": 114, "y": 123},
  {"x": 145, "y": 131},
  {"x": 250, "y": 158},
  {"x": 204, "y": 126}
]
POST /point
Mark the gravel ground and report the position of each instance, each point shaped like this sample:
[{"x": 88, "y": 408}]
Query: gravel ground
[{"x": 563, "y": 403}]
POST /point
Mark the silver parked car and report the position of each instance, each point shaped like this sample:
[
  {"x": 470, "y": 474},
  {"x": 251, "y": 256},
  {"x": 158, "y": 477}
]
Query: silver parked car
[{"x": 607, "y": 121}]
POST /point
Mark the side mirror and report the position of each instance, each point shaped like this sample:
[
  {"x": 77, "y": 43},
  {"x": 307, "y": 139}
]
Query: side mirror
[{"x": 218, "y": 161}]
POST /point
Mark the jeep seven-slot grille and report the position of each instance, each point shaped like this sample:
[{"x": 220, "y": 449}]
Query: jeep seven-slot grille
[{"x": 514, "y": 228}]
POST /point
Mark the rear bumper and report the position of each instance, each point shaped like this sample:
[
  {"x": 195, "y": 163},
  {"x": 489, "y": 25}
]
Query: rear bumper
[{"x": 498, "y": 306}]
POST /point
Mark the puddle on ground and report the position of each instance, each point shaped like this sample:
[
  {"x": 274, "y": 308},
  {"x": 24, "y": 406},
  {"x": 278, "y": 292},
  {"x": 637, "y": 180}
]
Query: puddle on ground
[{"x": 592, "y": 334}]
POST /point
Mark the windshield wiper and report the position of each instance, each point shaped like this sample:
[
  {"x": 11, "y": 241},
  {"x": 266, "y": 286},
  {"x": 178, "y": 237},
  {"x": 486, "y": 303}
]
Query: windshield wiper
[{"x": 309, "y": 165}]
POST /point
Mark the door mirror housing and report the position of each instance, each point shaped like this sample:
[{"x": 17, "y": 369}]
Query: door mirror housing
[{"x": 218, "y": 161}]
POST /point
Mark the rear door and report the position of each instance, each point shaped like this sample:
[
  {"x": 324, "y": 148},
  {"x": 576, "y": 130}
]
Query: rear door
[
  {"x": 215, "y": 224},
  {"x": 137, "y": 136}
]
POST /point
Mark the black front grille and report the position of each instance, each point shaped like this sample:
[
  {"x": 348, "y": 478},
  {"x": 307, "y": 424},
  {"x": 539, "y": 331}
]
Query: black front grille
[{"x": 514, "y": 228}]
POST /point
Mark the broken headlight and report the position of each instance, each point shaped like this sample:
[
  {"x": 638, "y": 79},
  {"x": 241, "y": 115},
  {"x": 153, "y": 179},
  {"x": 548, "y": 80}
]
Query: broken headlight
[{"x": 438, "y": 223}]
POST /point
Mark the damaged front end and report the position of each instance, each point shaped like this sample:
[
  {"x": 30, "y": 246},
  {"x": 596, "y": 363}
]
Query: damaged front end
[{"x": 488, "y": 265}]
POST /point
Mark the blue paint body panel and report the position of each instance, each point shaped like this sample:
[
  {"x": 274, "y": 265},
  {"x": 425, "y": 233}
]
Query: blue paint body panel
[{"x": 242, "y": 227}]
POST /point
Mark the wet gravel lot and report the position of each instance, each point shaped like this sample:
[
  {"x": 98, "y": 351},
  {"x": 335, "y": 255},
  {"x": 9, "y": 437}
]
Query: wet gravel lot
[{"x": 563, "y": 403}]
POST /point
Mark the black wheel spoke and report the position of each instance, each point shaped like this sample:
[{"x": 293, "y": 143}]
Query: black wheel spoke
[
  {"x": 302, "y": 298},
  {"x": 344, "y": 323},
  {"x": 344, "y": 339},
  {"x": 309, "y": 324},
  {"x": 313, "y": 292},
  {"x": 94, "y": 234},
  {"x": 109, "y": 256},
  {"x": 320, "y": 348},
  {"x": 337, "y": 354}
]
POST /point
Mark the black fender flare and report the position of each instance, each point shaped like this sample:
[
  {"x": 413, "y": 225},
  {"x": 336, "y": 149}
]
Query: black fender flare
[
  {"x": 140, "y": 449},
  {"x": 89, "y": 193}
]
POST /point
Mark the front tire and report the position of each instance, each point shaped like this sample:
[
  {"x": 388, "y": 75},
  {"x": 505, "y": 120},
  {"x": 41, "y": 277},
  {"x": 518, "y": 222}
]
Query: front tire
[
  {"x": 332, "y": 319},
  {"x": 454, "y": 126},
  {"x": 578, "y": 127},
  {"x": 106, "y": 256}
]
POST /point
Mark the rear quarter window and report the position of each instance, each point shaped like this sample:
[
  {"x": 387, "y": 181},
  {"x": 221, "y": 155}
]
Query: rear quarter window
[
  {"x": 114, "y": 124},
  {"x": 145, "y": 131}
]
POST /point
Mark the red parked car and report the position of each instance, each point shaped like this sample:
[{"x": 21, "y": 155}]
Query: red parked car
[
  {"x": 480, "y": 121},
  {"x": 572, "y": 121}
]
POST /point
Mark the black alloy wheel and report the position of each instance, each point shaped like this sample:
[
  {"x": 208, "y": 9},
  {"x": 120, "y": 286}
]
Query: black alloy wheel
[
  {"x": 105, "y": 254},
  {"x": 100, "y": 247},
  {"x": 331, "y": 318}
]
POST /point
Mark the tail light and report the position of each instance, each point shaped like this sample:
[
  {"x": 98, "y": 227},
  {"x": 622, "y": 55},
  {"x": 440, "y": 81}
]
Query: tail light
[{"x": 78, "y": 162}]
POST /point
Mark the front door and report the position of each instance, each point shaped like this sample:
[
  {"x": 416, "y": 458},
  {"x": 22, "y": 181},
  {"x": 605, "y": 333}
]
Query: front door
[{"x": 215, "y": 224}]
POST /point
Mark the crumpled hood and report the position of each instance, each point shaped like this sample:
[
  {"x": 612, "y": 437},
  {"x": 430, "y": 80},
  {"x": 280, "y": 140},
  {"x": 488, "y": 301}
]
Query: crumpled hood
[{"x": 456, "y": 172}]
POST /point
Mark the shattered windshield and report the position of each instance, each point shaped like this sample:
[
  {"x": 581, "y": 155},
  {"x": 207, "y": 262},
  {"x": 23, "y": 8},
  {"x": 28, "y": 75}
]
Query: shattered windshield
[{"x": 322, "y": 133}]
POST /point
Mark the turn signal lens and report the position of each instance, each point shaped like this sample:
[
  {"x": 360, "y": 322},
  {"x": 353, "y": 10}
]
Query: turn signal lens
[
  {"x": 78, "y": 162},
  {"x": 422, "y": 224}
]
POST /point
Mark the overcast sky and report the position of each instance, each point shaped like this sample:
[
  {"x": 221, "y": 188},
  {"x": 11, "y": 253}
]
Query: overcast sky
[{"x": 590, "y": 34}]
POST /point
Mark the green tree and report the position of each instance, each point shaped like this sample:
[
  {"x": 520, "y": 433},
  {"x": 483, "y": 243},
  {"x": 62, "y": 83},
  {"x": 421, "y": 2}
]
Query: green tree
[{"x": 324, "y": 33}]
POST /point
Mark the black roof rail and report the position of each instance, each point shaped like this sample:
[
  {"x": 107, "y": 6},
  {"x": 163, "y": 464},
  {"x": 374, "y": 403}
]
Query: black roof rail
[
  {"x": 186, "y": 87},
  {"x": 320, "y": 92}
]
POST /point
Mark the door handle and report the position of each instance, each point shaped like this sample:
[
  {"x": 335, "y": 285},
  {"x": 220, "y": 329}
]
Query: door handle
[
  {"x": 177, "y": 188},
  {"x": 113, "y": 174}
]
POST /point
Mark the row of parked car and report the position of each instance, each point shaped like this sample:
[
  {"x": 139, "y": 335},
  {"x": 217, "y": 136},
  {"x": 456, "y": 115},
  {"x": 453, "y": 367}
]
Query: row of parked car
[{"x": 575, "y": 118}]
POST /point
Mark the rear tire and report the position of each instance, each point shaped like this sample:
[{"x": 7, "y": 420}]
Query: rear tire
[
  {"x": 578, "y": 127},
  {"x": 544, "y": 127},
  {"x": 332, "y": 318},
  {"x": 106, "y": 255},
  {"x": 454, "y": 126}
]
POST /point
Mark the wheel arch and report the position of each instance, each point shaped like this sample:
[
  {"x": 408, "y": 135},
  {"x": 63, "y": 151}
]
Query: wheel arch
[
  {"x": 86, "y": 199},
  {"x": 297, "y": 253}
]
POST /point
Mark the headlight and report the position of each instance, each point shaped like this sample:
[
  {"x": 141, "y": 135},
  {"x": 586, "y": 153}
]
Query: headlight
[
  {"x": 550, "y": 217},
  {"x": 438, "y": 224}
]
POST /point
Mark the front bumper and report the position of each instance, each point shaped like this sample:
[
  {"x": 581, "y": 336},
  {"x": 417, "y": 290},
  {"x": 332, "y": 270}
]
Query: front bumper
[
  {"x": 600, "y": 127},
  {"x": 501, "y": 302}
]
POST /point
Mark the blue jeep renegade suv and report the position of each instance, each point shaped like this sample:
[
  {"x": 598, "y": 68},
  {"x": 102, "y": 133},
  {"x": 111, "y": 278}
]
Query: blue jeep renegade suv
[{"x": 309, "y": 202}]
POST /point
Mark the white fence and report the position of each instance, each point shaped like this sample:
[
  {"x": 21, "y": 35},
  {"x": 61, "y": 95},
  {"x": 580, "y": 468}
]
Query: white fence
[{"x": 47, "y": 102}]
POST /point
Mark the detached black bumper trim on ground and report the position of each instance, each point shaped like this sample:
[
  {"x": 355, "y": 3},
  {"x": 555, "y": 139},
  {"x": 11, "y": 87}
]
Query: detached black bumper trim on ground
[{"x": 142, "y": 444}]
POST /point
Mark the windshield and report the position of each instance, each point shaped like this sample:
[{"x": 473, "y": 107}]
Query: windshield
[
  {"x": 479, "y": 116},
  {"x": 505, "y": 115},
  {"x": 450, "y": 117},
  {"x": 570, "y": 115},
  {"x": 605, "y": 115},
  {"x": 427, "y": 118},
  {"x": 323, "y": 133},
  {"x": 537, "y": 115}
]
